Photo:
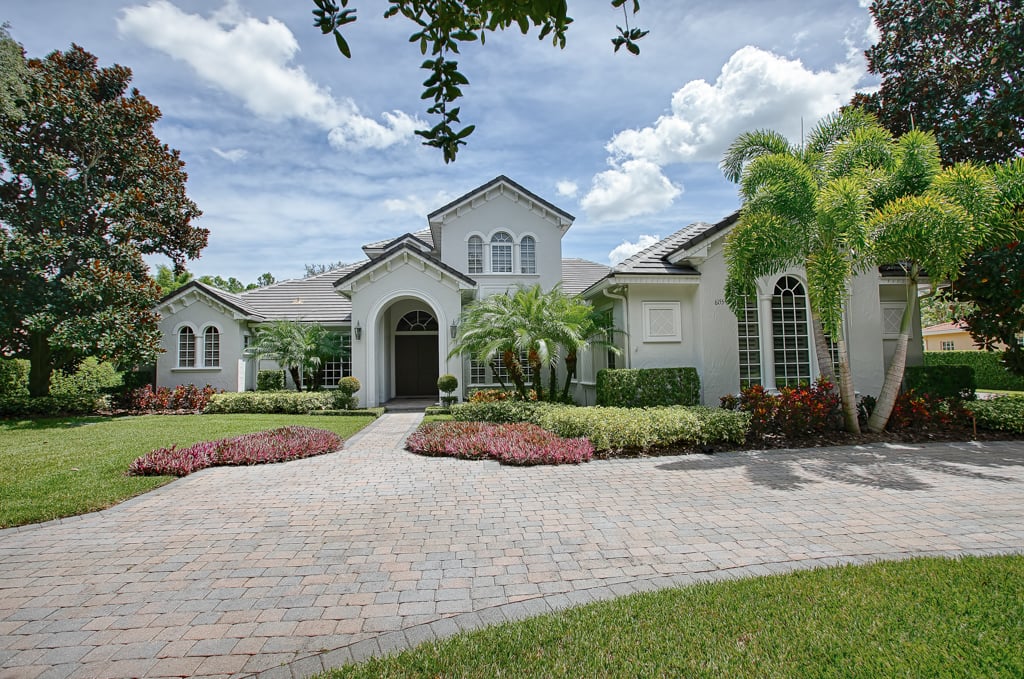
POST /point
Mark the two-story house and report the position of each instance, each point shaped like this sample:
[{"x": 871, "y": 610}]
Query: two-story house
[{"x": 398, "y": 310}]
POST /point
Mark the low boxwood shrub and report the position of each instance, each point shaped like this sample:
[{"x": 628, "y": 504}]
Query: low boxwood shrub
[
  {"x": 617, "y": 429},
  {"x": 14, "y": 376},
  {"x": 1003, "y": 413},
  {"x": 291, "y": 402},
  {"x": 505, "y": 411},
  {"x": 270, "y": 380},
  {"x": 90, "y": 377},
  {"x": 52, "y": 406},
  {"x": 349, "y": 385},
  {"x": 517, "y": 444},
  {"x": 185, "y": 397},
  {"x": 355, "y": 412},
  {"x": 989, "y": 371},
  {"x": 942, "y": 381},
  {"x": 275, "y": 445},
  {"x": 648, "y": 387}
]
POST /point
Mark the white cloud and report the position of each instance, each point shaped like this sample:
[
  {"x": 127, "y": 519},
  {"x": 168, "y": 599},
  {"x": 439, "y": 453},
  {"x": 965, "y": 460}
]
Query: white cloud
[
  {"x": 233, "y": 155},
  {"x": 252, "y": 60},
  {"x": 418, "y": 205},
  {"x": 626, "y": 249},
  {"x": 631, "y": 188},
  {"x": 755, "y": 89},
  {"x": 567, "y": 188}
]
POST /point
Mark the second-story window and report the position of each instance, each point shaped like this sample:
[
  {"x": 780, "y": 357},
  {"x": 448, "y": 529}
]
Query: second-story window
[
  {"x": 501, "y": 253},
  {"x": 527, "y": 255},
  {"x": 476, "y": 254}
]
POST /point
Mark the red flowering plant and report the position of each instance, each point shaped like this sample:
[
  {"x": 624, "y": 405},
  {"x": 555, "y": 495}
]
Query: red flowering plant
[
  {"x": 924, "y": 413},
  {"x": 186, "y": 397},
  {"x": 519, "y": 444},
  {"x": 794, "y": 413}
]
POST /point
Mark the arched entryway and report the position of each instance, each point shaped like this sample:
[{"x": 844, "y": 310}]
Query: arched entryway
[{"x": 416, "y": 347}]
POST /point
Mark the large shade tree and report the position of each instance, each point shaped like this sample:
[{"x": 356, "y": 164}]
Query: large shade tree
[{"x": 86, "y": 190}]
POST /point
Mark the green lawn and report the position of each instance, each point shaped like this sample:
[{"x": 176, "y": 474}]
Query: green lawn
[
  {"x": 1001, "y": 392},
  {"x": 918, "y": 618},
  {"x": 63, "y": 467}
]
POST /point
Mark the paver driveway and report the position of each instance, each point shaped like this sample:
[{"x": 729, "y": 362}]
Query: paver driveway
[{"x": 235, "y": 571}]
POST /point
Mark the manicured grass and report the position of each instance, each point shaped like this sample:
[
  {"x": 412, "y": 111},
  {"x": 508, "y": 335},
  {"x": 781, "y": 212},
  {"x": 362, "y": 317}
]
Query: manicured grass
[
  {"x": 1001, "y": 392},
  {"x": 918, "y": 618},
  {"x": 437, "y": 418},
  {"x": 62, "y": 467}
]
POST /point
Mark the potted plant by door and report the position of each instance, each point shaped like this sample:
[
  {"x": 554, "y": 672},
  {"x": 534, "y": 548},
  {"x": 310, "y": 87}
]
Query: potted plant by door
[{"x": 448, "y": 384}]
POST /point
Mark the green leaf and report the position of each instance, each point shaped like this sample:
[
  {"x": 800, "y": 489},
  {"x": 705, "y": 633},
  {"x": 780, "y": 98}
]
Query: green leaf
[{"x": 342, "y": 45}]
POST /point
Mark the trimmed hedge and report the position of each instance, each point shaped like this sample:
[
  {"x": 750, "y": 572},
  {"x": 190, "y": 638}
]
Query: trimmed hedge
[
  {"x": 989, "y": 372},
  {"x": 1003, "y": 413},
  {"x": 52, "y": 406},
  {"x": 355, "y": 412},
  {"x": 501, "y": 412},
  {"x": 648, "y": 387},
  {"x": 943, "y": 381},
  {"x": 14, "y": 376},
  {"x": 90, "y": 377},
  {"x": 290, "y": 402},
  {"x": 615, "y": 429},
  {"x": 270, "y": 380}
]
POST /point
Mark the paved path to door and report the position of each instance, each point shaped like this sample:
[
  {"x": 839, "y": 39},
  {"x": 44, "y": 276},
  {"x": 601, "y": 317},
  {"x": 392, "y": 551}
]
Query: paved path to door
[{"x": 285, "y": 569}]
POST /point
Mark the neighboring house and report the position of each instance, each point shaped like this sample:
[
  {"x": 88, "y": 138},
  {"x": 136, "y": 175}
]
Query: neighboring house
[
  {"x": 398, "y": 310},
  {"x": 952, "y": 337}
]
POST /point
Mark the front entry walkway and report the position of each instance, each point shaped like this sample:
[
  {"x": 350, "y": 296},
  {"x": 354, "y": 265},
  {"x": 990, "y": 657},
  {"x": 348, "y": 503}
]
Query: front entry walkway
[{"x": 286, "y": 569}]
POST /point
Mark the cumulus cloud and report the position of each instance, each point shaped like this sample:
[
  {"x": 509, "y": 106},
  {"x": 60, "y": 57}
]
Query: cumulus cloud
[
  {"x": 755, "y": 89},
  {"x": 567, "y": 188},
  {"x": 232, "y": 155},
  {"x": 626, "y": 249},
  {"x": 252, "y": 60},
  {"x": 418, "y": 205}
]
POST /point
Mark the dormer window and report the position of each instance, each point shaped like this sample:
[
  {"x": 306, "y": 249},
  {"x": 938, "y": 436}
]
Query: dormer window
[
  {"x": 476, "y": 254},
  {"x": 501, "y": 253},
  {"x": 527, "y": 255}
]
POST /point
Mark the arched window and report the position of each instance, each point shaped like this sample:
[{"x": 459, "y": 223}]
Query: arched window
[
  {"x": 211, "y": 347},
  {"x": 790, "y": 341},
  {"x": 417, "y": 321},
  {"x": 186, "y": 348},
  {"x": 501, "y": 253},
  {"x": 476, "y": 254},
  {"x": 749, "y": 336},
  {"x": 527, "y": 255}
]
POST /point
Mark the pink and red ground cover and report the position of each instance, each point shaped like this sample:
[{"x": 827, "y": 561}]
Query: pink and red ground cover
[
  {"x": 517, "y": 444},
  {"x": 275, "y": 445}
]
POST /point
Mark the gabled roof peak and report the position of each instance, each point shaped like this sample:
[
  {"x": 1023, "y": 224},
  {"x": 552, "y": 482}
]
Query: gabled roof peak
[{"x": 502, "y": 184}]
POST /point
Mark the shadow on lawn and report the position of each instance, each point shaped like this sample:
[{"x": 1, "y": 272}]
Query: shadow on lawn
[
  {"x": 882, "y": 466},
  {"x": 50, "y": 423}
]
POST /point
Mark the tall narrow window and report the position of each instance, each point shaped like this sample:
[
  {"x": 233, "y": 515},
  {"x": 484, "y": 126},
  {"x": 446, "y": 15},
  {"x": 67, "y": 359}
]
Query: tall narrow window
[
  {"x": 524, "y": 365},
  {"x": 790, "y": 341},
  {"x": 476, "y": 254},
  {"x": 186, "y": 348},
  {"x": 498, "y": 369},
  {"x": 501, "y": 253},
  {"x": 211, "y": 347},
  {"x": 528, "y": 255},
  {"x": 750, "y": 344},
  {"x": 332, "y": 370},
  {"x": 477, "y": 372}
]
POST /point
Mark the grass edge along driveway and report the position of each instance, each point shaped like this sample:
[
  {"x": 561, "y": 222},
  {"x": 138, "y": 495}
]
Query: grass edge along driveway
[{"x": 55, "y": 468}]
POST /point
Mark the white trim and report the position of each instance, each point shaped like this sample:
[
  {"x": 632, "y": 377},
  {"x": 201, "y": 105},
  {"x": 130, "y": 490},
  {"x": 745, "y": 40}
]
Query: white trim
[
  {"x": 899, "y": 307},
  {"x": 674, "y": 308}
]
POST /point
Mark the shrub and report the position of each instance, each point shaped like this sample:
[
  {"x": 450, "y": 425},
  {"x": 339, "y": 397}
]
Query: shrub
[
  {"x": 91, "y": 377},
  {"x": 647, "y": 387},
  {"x": 989, "y": 371},
  {"x": 52, "y": 406},
  {"x": 943, "y": 381},
  {"x": 349, "y": 385},
  {"x": 14, "y": 377},
  {"x": 490, "y": 395},
  {"x": 518, "y": 444},
  {"x": 276, "y": 445},
  {"x": 186, "y": 397},
  {"x": 1003, "y": 413},
  {"x": 270, "y": 380},
  {"x": 615, "y": 429},
  {"x": 795, "y": 412},
  {"x": 925, "y": 413},
  {"x": 500, "y": 411},
  {"x": 447, "y": 383},
  {"x": 291, "y": 402},
  {"x": 354, "y": 412},
  {"x": 343, "y": 401}
]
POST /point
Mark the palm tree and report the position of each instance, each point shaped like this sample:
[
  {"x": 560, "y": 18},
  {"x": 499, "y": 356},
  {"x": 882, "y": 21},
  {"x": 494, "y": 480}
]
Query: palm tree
[
  {"x": 802, "y": 207},
  {"x": 298, "y": 348},
  {"x": 489, "y": 327}
]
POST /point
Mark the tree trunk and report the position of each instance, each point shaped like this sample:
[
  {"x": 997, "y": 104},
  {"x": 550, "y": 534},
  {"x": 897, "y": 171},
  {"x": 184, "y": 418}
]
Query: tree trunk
[
  {"x": 570, "y": 372},
  {"x": 296, "y": 377},
  {"x": 552, "y": 382},
  {"x": 825, "y": 367},
  {"x": 40, "y": 365},
  {"x": 894, "y": 375},
  {"x": 846, "y": 390},
  {"x": 515, "y": 373}
]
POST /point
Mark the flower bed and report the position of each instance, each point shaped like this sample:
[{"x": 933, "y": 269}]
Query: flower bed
[
  {"x": 187, "y": 397},
  {"x": 275, "y": 445},
  {"x": 516, "y": 444}
]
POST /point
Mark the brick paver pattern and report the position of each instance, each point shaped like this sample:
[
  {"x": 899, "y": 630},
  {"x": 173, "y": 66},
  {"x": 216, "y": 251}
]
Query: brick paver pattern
[{"x": 285, "y": 569}]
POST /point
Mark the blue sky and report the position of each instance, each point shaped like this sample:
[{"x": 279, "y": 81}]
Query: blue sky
[{"x": 298, "y": 156}]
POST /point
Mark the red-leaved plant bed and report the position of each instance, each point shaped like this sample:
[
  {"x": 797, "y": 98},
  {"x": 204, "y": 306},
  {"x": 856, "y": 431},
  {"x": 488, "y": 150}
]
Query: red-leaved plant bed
[
  {"x": 519, "y": 444},
  {"x": 275, "y": 445}
]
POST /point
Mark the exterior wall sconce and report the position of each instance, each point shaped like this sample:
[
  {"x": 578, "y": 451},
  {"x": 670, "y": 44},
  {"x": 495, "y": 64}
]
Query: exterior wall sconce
[
  {"x": 454, "y": 329},
  {"x": 359, "y": 331}
]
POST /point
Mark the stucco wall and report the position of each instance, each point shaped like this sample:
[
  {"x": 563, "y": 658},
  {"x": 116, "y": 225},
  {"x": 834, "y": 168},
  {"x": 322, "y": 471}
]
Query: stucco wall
[{"x": 196, "y": 311}]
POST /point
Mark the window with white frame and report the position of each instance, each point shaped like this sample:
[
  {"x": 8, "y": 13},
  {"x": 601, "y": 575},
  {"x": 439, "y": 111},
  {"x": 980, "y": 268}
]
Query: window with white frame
[
  {"x": 334, "y": 369},
  {"x": 476, "y": 254},
  {"x": 947, "y": 345},
  {"x": 790, "y": 340},
  {"x": 524, "y": 365},
  {"x": 892, "y": 318},
  {"x": 186, "y": 348},
  {"x": 749, "y": 335},
  {"x": 211, "y": 347},
  {"x": 528, "y": 255},
  {"x": 501, "y": 253},
  {"x": 499, "y": 373},
  {"x": 477, "y": 372},
  {"x": 661, "y": 322}
]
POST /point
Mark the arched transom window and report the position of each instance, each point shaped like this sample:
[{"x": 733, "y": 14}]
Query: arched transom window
[
  {"x": 527, "y": 255},
  {"x": 417, "y": 321},
  {"x": 501, "y": 253},
  {"x": 476, "y": 254},
  {"x": 186, "y": 348},
  {"x": 211, "y": 347},
  {"x": 790, "y": 341}
]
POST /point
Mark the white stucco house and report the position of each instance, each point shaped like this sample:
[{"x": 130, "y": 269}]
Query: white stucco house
[{"x": 398, "y": 310}]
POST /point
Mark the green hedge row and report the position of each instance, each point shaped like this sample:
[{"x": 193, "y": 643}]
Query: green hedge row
[
  {"x": 943, "y": 381},
  {"x": 270, "y": 380},
  {"x": 648, "y": 387},
  {"x": 1005, "y": 413},
  {"x": 501, "y": 412},
  {"x": 290, "y": 402},
  {"x": 52, "y": 406},
  {"x": 989, "y": 372}
]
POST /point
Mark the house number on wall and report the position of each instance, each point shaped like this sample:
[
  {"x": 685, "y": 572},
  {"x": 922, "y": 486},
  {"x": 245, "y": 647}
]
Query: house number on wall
[{"x": 720, "y": 301}]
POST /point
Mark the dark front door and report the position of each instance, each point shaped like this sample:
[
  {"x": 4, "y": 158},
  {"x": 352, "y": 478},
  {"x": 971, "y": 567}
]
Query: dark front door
[{"x": 416, "y": 365}]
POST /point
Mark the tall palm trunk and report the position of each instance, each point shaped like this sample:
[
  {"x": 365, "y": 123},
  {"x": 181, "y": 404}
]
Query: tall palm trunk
[
  {"x": 570, "y": 372},
  {"x": 844, "y": 383},
  {"x": 894, "y": 375},
  {"x": 515, "y": 372}
]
